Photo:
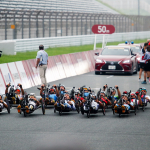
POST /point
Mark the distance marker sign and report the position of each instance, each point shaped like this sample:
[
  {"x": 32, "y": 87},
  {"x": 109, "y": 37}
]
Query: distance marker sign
[{"x": 103, "y": 29}]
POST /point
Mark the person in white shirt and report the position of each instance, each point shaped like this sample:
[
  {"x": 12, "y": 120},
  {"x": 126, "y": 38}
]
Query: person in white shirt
[
  {"x": 142, "y": 62},
  {"x": 42, "y": 62}
]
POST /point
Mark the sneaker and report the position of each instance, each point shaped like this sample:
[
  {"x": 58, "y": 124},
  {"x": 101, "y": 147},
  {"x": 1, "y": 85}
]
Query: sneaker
[
  {"x": 123, "y": 109},
  {"x": 144, "y": 82},
  {"x": 139, "y": 79},
  {"x": 19, "y": 108},
  {"x": 27, "y": 109}
]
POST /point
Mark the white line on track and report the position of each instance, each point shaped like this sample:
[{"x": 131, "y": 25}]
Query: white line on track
[{"x": 110, "y": 77}]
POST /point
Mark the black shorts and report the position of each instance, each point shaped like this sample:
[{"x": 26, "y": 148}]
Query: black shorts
[
  {"x": 142, "y": 65},
  {"x": 147, "y": 67}
]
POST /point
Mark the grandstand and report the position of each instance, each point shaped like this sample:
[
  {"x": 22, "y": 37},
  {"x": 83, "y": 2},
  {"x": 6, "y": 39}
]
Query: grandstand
[
  {"x": 129, "y": 7},
  {"x": 86, "y": 6}
]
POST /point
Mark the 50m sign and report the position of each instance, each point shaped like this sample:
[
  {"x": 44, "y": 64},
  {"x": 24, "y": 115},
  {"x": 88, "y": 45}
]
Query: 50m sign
[{"x": 103, "y": 29}]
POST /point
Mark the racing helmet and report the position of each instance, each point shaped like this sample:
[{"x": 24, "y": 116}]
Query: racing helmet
[
  {"x": 52, "y": 89},
  {"x": 77, "y": 92},
  {"x": 113, "y": 90},
  {"x": 32, "y": 94},
  {"x": 93, "y": 95},
  {"x": 102, "y": 93},
  {"x": 16, "y": 88},
  {"x": 125, "y": 95},
  {"x": 85, "y": 88},
  {"x": 125, "y": 92},
  {"x": 143, "y": 89},
  {"x": 61, "y": 86},
  {"x": 132, "y": 94}
]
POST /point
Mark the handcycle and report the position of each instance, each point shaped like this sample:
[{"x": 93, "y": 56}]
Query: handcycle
[
  {"x": 122, "y": 108},
  {"x": 26, "y": 102},
  {"x": 2, "y": 105},
  {"x": 62, "y": 103}
]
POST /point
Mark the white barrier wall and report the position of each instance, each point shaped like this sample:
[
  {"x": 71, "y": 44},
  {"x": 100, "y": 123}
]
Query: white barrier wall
[
  {"x": 59, "y": 67},
  {"x": 33, "y": 44},
  {"x": 8, "y": 47}
]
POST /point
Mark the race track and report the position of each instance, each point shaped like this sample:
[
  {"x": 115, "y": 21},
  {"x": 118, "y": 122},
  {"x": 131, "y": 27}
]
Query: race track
[{"x": 99, "y": 132}]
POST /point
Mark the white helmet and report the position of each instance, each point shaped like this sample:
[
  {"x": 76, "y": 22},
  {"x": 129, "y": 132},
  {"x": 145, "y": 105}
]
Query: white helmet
[{"x": 32, "y": 94}]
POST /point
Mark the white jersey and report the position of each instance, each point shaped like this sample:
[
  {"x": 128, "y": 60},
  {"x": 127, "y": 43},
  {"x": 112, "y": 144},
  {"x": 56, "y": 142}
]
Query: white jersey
[
  {"x": 142, "y": 57},
  {"x": 2, "y": 105}
]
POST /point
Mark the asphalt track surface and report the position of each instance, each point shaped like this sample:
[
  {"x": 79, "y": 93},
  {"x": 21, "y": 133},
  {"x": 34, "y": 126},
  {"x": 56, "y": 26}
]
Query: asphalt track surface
[{"x": 76, "y": 131}]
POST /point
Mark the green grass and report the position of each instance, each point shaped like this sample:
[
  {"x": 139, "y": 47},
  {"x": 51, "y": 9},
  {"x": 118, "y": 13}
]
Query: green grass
[{"x": 55, "y": 51}]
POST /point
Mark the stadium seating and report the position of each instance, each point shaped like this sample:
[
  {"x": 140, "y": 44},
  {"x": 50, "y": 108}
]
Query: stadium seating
[{"x": 87, "y": 6}]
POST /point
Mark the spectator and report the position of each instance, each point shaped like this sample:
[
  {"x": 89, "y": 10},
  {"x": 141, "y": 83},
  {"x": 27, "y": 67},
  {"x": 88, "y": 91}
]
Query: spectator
[
  {"x": 42, "y": 62},
  {"x": 142, "y": 62},
  {"x": 147, "y": 64}
]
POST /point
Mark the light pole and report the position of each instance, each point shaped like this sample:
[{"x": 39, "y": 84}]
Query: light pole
[{"x": 139, "y": 7}]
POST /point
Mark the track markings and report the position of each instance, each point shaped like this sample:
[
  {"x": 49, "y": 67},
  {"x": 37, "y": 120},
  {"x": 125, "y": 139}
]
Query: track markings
[{"x": 110, "y": 77}]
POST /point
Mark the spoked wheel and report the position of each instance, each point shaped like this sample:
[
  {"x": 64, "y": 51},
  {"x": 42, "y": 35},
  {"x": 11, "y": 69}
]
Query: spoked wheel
[
  {"x": 135, "y": 110},
  {"x": 103, "y": 110},
  {"x": 113, "y": 111},
  {"x": 8, "y": 109},
  {"x": 78, "y": 110},
  {"x": 54, "y": 110},
  {"x": 43, "y": 107},
  {"x": 88, "y": 114},
  {"x": 82, "y": 111},
  {"x": 25, "y": 113},
  {"x": 60, "y": 112},
  {"x": 143, "y": 107},
  {"x": 119, "y": 114}
]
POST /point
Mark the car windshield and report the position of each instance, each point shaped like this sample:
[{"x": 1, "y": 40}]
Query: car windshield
[
  {"x": 136, "y": 49},
  {"x": 115, "y": 51}
]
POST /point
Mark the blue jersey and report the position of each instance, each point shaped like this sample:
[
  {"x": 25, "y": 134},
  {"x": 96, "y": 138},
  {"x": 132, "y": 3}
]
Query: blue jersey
[
  {"x": 53, "y": 96},
  {"x": 86, "y": 94}
]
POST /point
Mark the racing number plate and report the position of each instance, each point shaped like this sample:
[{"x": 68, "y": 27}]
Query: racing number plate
[{"x": 112, "y": 67}]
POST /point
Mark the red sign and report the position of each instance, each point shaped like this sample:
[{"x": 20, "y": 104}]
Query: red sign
[{"x": 103, "y": 29}]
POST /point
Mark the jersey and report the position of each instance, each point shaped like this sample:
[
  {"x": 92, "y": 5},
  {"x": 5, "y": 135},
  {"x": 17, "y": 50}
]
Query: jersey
[
  {"x": 142, "y": 56},
  {"x": 53, "y": 97}
]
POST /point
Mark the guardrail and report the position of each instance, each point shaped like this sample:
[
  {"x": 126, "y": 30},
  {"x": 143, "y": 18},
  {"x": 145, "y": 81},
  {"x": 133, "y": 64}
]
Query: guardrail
[
  {"x": 33, "y": 44},
  {"x": 22, "y": 45}
]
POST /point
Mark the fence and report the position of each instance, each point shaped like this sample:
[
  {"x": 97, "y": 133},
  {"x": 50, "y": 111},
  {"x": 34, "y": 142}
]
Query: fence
[{"x": 22, "y": 24}]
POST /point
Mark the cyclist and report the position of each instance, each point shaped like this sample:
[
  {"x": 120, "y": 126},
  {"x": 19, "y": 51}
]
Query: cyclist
[{"x": 3, "y": 104}]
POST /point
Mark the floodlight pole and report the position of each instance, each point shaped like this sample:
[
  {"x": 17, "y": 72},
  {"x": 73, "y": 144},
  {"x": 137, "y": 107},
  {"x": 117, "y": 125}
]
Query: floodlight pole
[{"x": 139, "y": 7}]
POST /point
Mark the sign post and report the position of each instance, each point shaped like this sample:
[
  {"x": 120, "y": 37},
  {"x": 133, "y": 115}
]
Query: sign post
[{"x": 102, "y": 29}]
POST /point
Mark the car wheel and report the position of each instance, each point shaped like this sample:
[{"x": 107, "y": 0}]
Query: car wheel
[{"x": 97, "y": 72}]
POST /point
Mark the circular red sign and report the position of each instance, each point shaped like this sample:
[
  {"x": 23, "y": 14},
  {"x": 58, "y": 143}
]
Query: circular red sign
[{"x": 103, "y": 29}]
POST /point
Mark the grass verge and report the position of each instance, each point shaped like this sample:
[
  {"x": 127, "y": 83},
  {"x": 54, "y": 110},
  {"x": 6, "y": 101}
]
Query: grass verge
[{"x": 55, "y": 51}]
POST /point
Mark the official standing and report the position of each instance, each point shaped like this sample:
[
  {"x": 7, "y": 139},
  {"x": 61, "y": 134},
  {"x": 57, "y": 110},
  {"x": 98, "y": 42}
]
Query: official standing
[{"x": 42, "y": 62}]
